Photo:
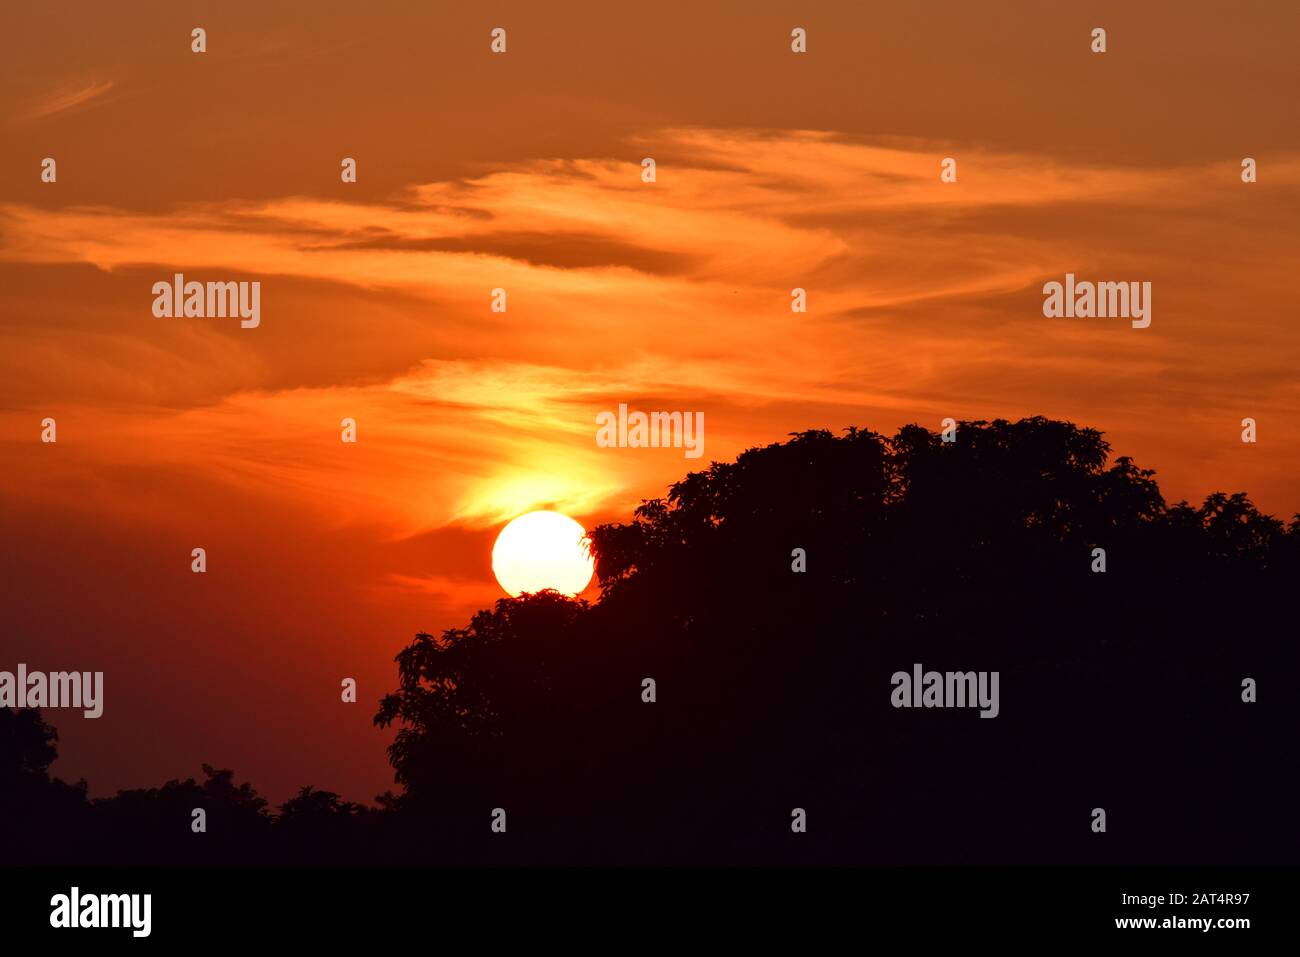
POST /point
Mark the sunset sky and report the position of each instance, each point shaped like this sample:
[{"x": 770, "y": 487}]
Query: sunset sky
[{"x": 522, "y": 171}]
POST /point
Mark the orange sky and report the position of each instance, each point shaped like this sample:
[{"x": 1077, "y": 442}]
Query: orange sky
[{"x": 522, "y": 171}]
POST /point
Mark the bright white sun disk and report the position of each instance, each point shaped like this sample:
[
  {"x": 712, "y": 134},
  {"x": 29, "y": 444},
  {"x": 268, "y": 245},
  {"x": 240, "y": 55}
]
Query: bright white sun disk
[{"x": 542, "y": 550}]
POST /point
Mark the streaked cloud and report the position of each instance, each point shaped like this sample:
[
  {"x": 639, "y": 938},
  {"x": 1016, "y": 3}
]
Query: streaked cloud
[
  {"x": 924, "y": 301},
  {"x": 68, "y": 98}
]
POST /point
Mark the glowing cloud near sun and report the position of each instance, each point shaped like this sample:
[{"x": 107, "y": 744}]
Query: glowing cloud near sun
[{"x": 542, "y": 550}]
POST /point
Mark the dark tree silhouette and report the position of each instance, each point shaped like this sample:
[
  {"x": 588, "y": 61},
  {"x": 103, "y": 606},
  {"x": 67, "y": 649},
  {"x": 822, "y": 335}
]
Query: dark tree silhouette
[
  {"x": 38, "y": 814},
  {"x": 154, "y": 825},
  {"x": 1120, "y": 690}
]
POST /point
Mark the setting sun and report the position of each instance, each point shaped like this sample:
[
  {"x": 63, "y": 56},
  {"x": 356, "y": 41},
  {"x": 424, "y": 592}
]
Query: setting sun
[{"x": 542, "y": 550}]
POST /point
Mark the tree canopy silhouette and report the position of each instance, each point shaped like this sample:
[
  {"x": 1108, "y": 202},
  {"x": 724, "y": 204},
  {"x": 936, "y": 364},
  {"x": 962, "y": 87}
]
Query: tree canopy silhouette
[
  {"x": 773, "y": 685},
  {"x": 764, "y": 605}
]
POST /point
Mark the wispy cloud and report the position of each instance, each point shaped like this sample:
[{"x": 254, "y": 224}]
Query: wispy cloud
[
  {"x": 924, "y": 301},
  {"x": 68, "y": 98}
]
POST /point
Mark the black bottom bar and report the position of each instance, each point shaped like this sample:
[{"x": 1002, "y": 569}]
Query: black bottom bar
[{"x": 801, "y": 907}]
